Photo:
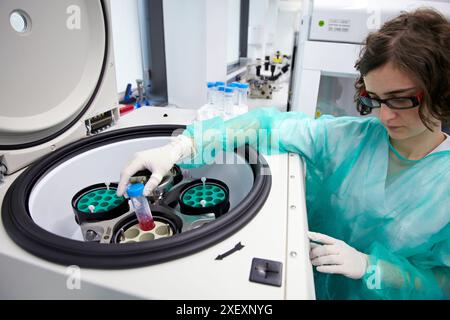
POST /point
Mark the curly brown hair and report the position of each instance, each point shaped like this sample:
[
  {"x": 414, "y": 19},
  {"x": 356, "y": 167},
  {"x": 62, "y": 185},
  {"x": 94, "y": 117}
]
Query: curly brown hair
[{"x": 418, "y": 43}]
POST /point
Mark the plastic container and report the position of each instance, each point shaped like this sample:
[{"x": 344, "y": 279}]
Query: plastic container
[
  {"x": 220, "y": 98},
  {"x": 242, "y": 96},
  {"x": 211, "y": 88},
  {"x": 218, "y": 94},
  {"x": 141, "y": 206},
  {"x": 228, "y": 103},
  {"x": 235, "y": 86}
]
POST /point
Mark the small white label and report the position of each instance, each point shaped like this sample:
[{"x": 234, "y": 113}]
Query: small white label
[{"x": 339, "y": 25}]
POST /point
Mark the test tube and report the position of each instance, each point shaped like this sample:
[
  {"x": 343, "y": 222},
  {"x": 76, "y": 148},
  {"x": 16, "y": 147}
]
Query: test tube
[{"x": 141, "y": 206}]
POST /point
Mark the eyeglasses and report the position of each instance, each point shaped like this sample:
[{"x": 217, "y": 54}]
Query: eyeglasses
[{"x": 401, "y": 103}]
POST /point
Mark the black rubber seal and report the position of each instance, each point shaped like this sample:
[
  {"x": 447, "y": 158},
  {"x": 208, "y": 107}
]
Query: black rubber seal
[
  {"x": 28, "y": 235},
  {"x": 88, "y": 104}
]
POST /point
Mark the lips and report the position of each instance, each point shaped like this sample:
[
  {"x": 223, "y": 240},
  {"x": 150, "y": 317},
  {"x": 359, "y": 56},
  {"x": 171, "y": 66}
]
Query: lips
[{"x": 394, "y": 127}]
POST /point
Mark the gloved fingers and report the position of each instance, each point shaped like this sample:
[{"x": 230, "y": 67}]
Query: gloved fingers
[
  {"x": 323, "y": 250},
  {"x": 327, "y": 260},
  {"x": 334, "y": 269},
  {"x": 152, "y": 183},
  {"x": 322, "y": 238},
  {"x": 133, "y": 167},
  {"x": 313, "y": 245}
]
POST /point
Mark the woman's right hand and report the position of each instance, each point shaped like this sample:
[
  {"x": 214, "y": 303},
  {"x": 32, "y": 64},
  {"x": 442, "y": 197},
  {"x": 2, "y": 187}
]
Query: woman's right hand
[{"x": 158, "y": 161}]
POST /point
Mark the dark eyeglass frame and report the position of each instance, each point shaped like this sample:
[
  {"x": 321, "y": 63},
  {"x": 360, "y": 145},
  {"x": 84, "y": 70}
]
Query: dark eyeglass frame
[{"x": 365, "y": 109}]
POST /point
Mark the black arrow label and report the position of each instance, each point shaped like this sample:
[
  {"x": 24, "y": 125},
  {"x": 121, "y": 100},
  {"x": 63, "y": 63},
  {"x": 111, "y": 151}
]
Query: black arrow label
[{"x": 237, "y": 247}]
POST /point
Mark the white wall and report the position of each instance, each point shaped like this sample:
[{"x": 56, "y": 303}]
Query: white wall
[
  {"x": 262, "y": 25},
  {"x": 257, "y": 12},
  {"x": 127, "y": 46},
  {"x": 216, "y": 40},
  {"x": 185, "y": 46},
  {"x": 196, "y": 48},
  {"x": 233, "y": 30},
  {"x": 271, "y": 25},
  {"x": 284, "y": 35},
  {"x": 256, "y": 28}
]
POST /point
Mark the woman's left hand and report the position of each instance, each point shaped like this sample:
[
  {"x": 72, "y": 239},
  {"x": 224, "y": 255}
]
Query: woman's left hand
[{"x": 335, "y": 256}]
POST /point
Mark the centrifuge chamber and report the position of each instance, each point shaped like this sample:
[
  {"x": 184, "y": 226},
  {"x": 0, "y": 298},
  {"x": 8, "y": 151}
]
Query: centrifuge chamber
[
  {"x": 51, "y": 147},
  {"x": 266, "y": 217}
]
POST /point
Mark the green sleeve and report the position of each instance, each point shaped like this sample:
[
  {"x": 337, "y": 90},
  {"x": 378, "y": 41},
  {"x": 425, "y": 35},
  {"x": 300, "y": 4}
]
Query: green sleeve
[
  {"x": 271, "y": 132},
  {"x": 394, "y": 277}
]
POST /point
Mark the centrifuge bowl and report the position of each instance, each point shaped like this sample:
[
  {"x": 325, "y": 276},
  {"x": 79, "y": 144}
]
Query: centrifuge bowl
[{"x": 36, "y": 210}]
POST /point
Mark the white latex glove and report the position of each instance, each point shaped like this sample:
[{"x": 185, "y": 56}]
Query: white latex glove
[
  {"x": 335, "y": 256},
  {"x": 158, "y": 160}
]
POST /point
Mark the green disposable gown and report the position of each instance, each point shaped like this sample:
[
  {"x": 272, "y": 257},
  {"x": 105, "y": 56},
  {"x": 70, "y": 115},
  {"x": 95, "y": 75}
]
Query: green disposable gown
[{"x": 403, "y": 226}]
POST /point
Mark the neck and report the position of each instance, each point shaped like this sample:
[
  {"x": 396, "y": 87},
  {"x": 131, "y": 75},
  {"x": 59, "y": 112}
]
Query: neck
[{"x": 417, "y": 147}]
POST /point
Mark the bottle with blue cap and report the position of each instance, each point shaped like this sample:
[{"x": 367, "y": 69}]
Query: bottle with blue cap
[
  {"x": 211, "y": 88},
  {"x": 235, "y": 86},
  {"x": 220, "y": 98},
  {"x": 242, "y": 96},
  {"x": 219, "y": 94},
  {"x": 141, "y": 206},
  {"x": 228, "y": 101}
]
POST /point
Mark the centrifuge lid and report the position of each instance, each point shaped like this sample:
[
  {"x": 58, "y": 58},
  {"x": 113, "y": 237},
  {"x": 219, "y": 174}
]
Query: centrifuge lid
[{"x": 51, "y": 63}]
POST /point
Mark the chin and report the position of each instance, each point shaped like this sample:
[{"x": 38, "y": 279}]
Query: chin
[{"x": 398, "y": 134}]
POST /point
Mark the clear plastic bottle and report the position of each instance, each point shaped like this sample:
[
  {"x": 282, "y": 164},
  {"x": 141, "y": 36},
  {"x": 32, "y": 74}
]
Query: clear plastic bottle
[
  {"x": 220, "y": 98},
  {"x": 211, "y": 87},
  {"x": 141, "y": 206},
  {"x": 217, "y": 94},
  {"x": 228, "y": 103},
  {"x": 243, "y": 92},
  {"x": 235, "y": 86}
]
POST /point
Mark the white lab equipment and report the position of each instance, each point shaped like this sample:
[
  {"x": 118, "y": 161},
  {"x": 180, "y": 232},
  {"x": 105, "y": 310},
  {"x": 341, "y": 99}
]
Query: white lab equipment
[{"x": 329, "y": 43}]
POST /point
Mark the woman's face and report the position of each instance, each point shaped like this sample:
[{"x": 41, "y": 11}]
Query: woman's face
[{"x": 390, "y": 82}]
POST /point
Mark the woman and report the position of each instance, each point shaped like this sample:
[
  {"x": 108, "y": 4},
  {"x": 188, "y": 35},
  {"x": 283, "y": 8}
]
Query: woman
[{"x": 377, "y": 188}]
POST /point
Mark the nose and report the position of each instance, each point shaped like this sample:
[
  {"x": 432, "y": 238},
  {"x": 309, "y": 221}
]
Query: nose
[{"x": 386, "y": 114}]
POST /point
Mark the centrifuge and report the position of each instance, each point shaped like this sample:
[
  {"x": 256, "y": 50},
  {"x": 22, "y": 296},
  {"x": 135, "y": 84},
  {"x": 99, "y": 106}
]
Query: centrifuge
[{"x": 221, "y": 231}]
